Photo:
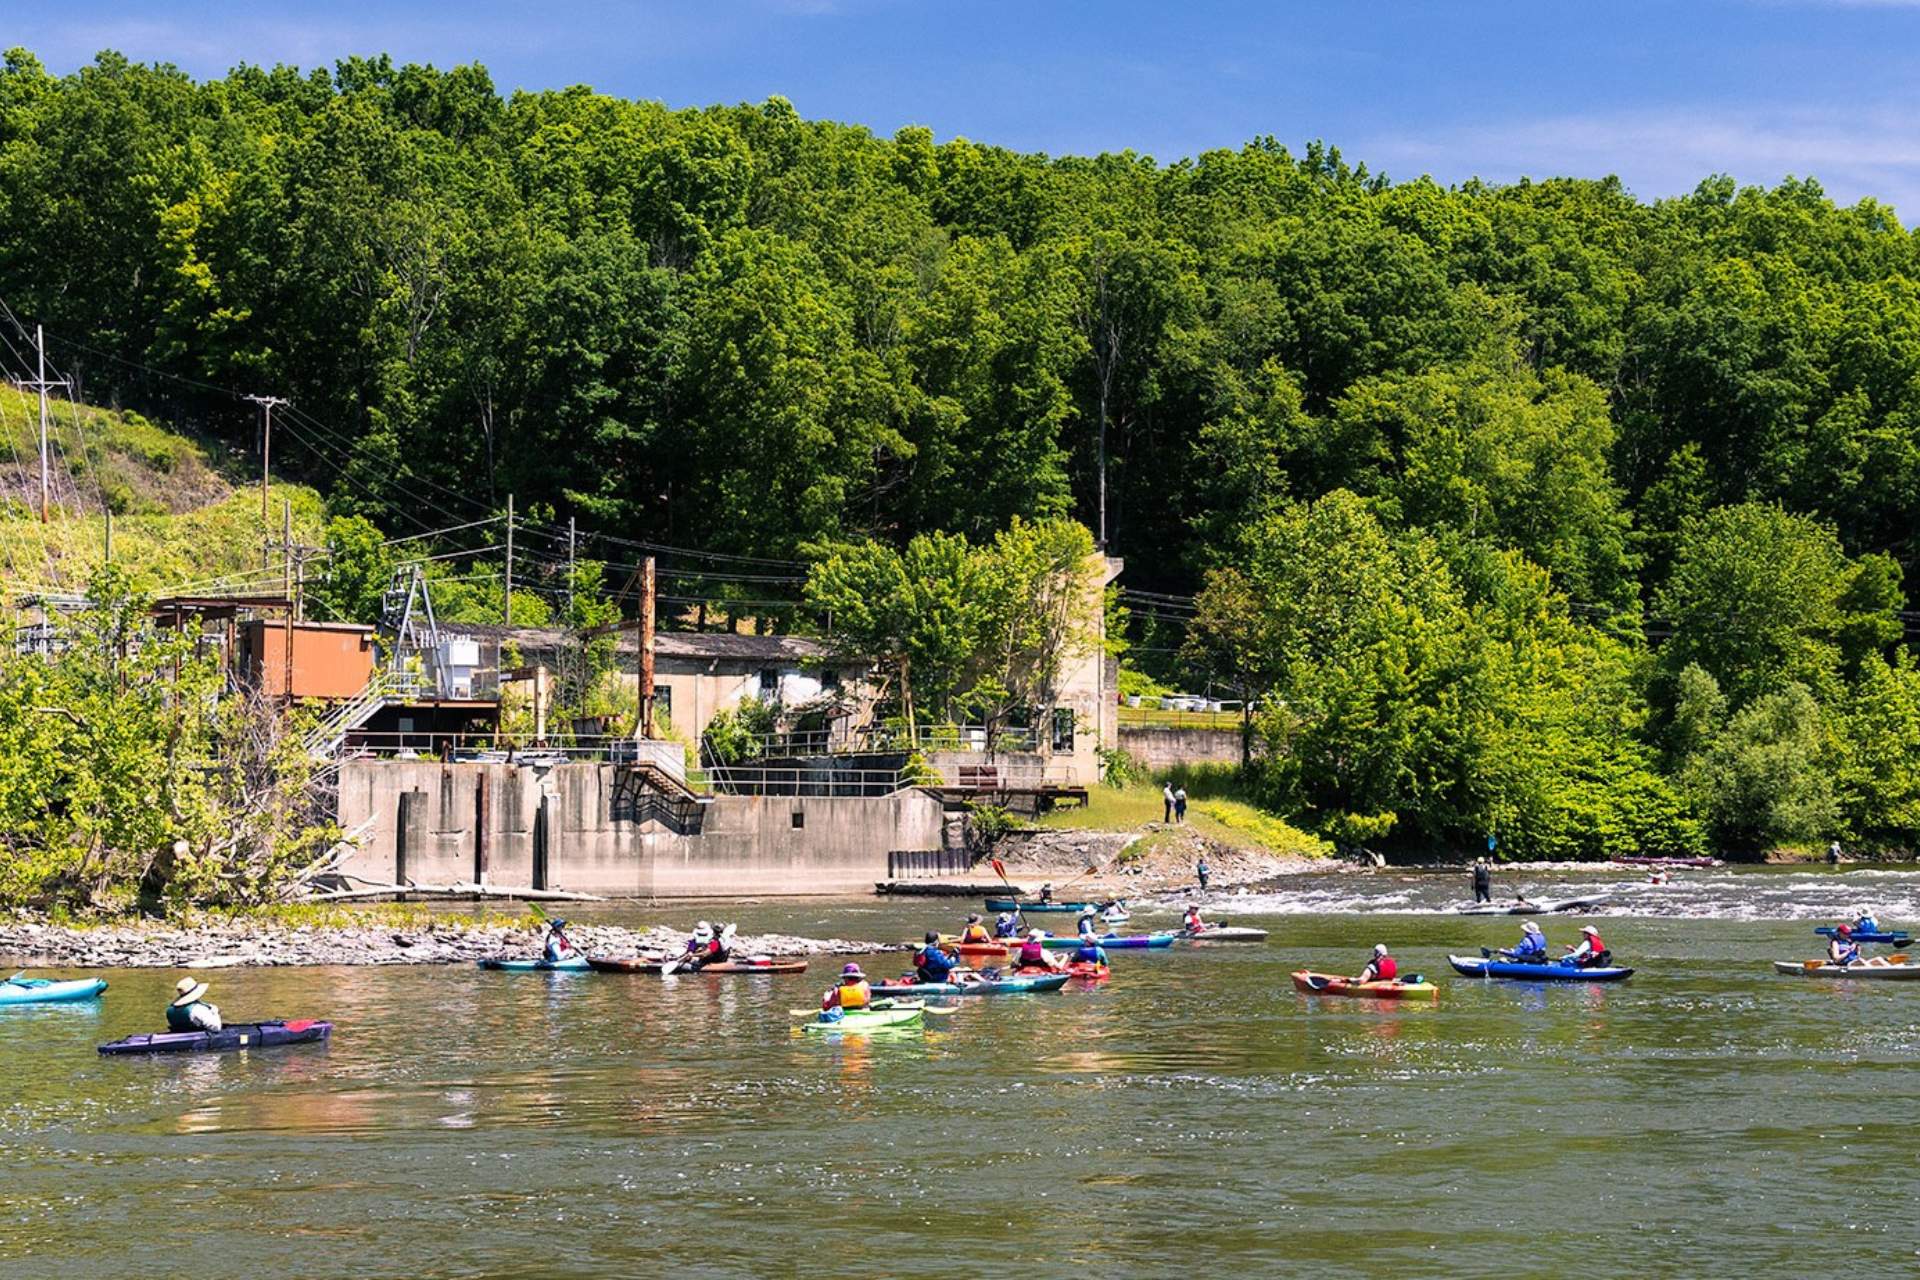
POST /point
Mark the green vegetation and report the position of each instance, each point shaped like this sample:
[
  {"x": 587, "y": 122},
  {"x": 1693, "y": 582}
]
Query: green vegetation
[
  {"x": 1218, "y": 808},
  {"x": 1529, "y": 509}
]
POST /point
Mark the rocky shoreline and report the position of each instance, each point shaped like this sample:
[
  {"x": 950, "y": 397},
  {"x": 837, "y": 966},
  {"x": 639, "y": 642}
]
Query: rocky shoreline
[{"x": 235, "y": 944}]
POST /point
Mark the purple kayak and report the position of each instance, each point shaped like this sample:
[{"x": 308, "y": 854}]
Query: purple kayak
[{"x": 242, "y": 1035}]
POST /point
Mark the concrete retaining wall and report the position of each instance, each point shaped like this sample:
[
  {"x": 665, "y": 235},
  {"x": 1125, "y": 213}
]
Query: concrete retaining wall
[
  {"x": 558, "y": 829},
  {"x": 1161, "y": 748}
]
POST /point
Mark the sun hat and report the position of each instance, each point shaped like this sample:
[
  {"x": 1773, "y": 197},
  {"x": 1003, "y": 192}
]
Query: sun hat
[
  {"x": 186, "y": 991},
  {"x": 852, "y": 971}
]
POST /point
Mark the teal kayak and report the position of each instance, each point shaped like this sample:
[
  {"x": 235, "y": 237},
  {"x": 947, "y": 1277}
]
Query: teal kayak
[
  {"x": 1115, "y": 942},
  {"x": 572, "y": 964},
  {"x": 19, "y": 990}
]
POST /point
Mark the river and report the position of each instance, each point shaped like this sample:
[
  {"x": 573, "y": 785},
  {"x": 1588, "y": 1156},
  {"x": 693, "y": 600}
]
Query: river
[{"x": 1195, "y": 1114}]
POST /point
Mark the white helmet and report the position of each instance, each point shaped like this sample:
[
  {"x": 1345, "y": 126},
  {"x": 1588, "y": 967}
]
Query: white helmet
[
  {"x": 1379, "y": 948},
  {"x": 703, "y": 930}
]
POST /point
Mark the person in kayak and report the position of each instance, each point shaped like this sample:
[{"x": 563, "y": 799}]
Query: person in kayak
[
  {"x": 1089, "y": 925},
  {"x": 852, "y": 993},
  {"x": 1034, "y": 953},
  {"x": 1589, "y": 951},
  {"x": 975, "y": 931},
  {"x": 1841, "y": 948},
  {"x": 1381, "y": 967},
  {"x": 1005, "y": 925},
  {"x": 1532, "y": 947},
  {"x": 190, "y": 1010},
  {"x": 930, "y": 963},
  {"x": 558, "y": 946},
  {"x": 1192, "y": 922},
  {"x": 705, "y": 947},
  {"x": 1864, "y": 921},
  {"x": 1090, "y": 951},
  {"x": 1046, "y": 893}
]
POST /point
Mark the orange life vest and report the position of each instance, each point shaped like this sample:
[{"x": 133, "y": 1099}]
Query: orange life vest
[
  {"x": 854, "y": 995},
  {"x": 975, "y": 933}
]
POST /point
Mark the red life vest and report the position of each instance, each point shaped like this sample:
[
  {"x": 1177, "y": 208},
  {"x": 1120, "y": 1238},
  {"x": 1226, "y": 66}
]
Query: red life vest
[
  {"x": 1032, "y": 952},
  {"x": 1594, "y": 947},
  {"x": 1385, "y": 969}
]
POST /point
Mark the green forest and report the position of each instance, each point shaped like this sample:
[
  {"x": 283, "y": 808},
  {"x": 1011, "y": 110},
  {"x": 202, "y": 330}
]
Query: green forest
[{"x": 1539, "y": 510}]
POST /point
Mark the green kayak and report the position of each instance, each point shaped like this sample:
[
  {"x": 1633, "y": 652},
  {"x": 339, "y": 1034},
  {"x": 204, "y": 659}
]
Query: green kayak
[{"x": 863, "y": 1020}]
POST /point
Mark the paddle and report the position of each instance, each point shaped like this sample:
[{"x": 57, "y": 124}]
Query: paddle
[
  {"x": 1317, "y": 983},
  {"x": 1000, "y": 870}
]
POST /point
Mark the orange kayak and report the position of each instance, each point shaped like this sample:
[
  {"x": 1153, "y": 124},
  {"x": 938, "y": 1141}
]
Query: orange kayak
[
  {"x": 1078, "y": 969},
  {"x": 1328, "y": 984}
]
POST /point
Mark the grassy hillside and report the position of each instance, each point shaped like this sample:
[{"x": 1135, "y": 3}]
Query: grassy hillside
[{"x": 179, "y": 517}]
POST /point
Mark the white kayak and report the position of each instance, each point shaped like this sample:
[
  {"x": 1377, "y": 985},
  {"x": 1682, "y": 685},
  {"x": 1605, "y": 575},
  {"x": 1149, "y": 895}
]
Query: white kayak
[
  {"x": 1225, "y": 933},
  {"x": 1546, "y": 906},
  {"x": 1893, "y": 970}
]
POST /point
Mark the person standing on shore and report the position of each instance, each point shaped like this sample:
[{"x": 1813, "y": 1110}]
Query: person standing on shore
[
  {"x": 1180, "y": 804},
  {"x": 1482, "y": 881},
  {"x": 1166, "y": 801}
]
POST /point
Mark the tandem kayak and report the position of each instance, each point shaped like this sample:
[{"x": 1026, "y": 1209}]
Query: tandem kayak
[
  {"x": 243, "y": 1035},
  {"x": 1021, "y": 908},
  {"x": 1019, "y": 985},
  {"x": 572, "y": 964},
  {"x": 1521, "y": 971},
  {"x": 864, "y": 1020},
  {"x": 1115, "y": 942},
  {"x": 606, "y": 964},
  {"x": 1224, "y": 933},
  {"x": 1329, "y": 984},
  {"x": 1900, "y": 941},
  {"x": 1891, "y": 971},
  {"x": 23, "y": 990}
]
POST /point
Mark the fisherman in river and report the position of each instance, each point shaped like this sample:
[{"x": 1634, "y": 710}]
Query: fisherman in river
[
  {"x": 1203, "y": 871},
  {"x": 1482, "y": 881},
  {"x": 1833, "y": 854},
  {"x": 190, "y": 1010}
]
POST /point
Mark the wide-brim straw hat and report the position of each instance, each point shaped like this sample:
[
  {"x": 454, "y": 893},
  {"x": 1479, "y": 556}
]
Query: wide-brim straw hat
[{"x": 188, "y": 991}]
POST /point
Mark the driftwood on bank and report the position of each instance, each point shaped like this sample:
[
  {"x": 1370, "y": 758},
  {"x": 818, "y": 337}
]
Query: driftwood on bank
[{"x": 452, "y": 891}]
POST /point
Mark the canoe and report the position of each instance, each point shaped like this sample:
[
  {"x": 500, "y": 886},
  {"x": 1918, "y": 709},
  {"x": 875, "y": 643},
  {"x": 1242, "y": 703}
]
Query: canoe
[
  {"x": 572, "y": 964},
  {"x": 607, "y": 964},
  {"x": 1544, "y": 907},
  {"x": 19, "y": 990},
  {"x": 1900, "y": 940},
  {"x": 1225, "y": 933},
  {"x": 1115, "y": 942},
  {"x": 1330, "y": 984},
  {"x": 1521, "y": 971},
  {"x": 1009, "y": 904},
  {"x": 1018, "y": 985},
  {"x": 244, "y": 1035},
  {"x": 864, "y": 1020},
  {"x": 1825, "y": 969}
]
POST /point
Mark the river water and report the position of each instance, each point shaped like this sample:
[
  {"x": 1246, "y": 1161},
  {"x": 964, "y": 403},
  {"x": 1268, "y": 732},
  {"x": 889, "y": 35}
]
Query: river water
[{"x": 1707, "y": 1118}]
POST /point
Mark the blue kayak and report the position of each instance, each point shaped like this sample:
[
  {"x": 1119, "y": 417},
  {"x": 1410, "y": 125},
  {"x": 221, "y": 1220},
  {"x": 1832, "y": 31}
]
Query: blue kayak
[
  {"x": 572, "y": 964},
  {"x": 19, "y": 990},
  {"x": 1900, "y": 941},
  {"x": 985, "y": 987},
  {"x": 1475, "y": 967},
  {"x": 1009, "y": 904}
]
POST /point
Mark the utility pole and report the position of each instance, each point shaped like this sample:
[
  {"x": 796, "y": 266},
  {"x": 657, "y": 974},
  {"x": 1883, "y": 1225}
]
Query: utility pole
[
  {"x": 569, "y": 566},
  {"x": 286, "y": 549},
  {"x": 267, "y": 404},
  {"x": 506, "y": 608},
  {"x": 41, "y": 384},
  {"x": 646, "y": 648},
  {"x": 109, "y": 535}
]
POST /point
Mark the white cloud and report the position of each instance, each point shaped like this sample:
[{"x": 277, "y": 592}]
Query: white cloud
[{"x": 1868, "y": 151}]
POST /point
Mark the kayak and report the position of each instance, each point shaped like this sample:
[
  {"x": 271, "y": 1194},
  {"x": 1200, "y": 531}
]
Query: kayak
[
  {"x": 1021, "y": 908},
  {"x": 244, "y": 1035},
  {"x": 572, "y": 964},
  {"x": 1115, "y": 915},
  {"x": 18, "y": 990},
  {"x": 1019, "y": 985},
  {"x": 1224, "y": 933},
  {"x": 604, "y": 964},
  {"x": 864, "y": 1020},
  {"x": 1901, "y": 940},
  {"x": 1115, "y": 942},
  {"x": 1545, "y": 907},
  {"x": 994, "y": 950},
  {"x": 1329, "y": 984},
  {"x": 1667, "y": 862},
  {"x": 1092, "y": 970},
  {"x": 1520, "y": 970},
  {"x": 1892, "y": 971}
]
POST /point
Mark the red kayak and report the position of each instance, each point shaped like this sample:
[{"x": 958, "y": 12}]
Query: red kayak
[
  {"x": 602, "y": 964},
  {"x": 1087, "y": 969},
  {"x": 1328, "y": 984},
  {"x": 987, "y": 950}
]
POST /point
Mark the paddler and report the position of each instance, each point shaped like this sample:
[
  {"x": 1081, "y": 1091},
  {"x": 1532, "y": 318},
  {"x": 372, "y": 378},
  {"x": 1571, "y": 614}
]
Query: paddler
[
  {"x": 1381, "y": 968},
  {"x": 1532, "y": 947},
  {"x": 705, "y": 947},
  {"x": 1864, "y": 922},
  {"x": 1841, "y": 948},
  {"x": 1046, "y": 892},
  {"x": 1005, "y": 925},
  {"x": 1090, "y": 951},
  {"x": 558, "y": 946},
  {"x": 975, "y": 931},
  {"x": 190, "y": 1010},
  {"x": 1034, "y": 953},
  {"x": 1191, "y": 922},
  {"x": 852, "y": 993},
  {"x": 1589, "y": 951},
  {"x": 1089, "y": 925},
  {"x": 930, "y": 963}
]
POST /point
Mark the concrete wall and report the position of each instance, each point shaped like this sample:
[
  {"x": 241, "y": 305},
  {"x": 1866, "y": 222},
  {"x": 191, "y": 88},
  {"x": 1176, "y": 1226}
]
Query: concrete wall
[
  {"x": 1162, "y": 748},
  {"x": 444, "y": 823}
]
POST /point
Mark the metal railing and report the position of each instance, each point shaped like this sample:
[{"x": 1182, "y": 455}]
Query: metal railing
[
  {"x": 756, "y": 780},
  {"x": 912, "y": 863}
]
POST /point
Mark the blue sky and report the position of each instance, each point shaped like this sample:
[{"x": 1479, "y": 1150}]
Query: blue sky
[{"x": 1659, "y": 93}]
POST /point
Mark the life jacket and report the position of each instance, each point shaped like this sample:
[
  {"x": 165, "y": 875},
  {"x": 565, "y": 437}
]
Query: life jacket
[
  {"x": 1595, "y": 948},
  {"x": 1385, "y": 968},
  {"x": 180, "y": 1017},
  {"x": 1193, "y": 922},
  {"x": 855, "y": 995},
  {"x": 1033, "y": 953},
  {"x": 975, "y": 933}
]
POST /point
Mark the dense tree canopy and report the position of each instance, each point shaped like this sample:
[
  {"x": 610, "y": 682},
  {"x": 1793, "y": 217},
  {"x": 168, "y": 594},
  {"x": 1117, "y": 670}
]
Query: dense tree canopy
[{"x": 1439, "y": 463}]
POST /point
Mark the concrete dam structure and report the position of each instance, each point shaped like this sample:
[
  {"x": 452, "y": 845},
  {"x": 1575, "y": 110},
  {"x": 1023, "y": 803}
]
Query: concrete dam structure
[{"x": 597, "y": 828}]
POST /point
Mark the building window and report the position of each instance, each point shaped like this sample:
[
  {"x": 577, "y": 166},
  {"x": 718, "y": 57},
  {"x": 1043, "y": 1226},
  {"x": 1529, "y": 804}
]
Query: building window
[
  {"x": 830, "y": 679},
  {"x": 799, "y": 819},
  {"x": 1063, "y": 729},
  {"x": 769, "y": 683},
  {"x": 663, "y": 700}
]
